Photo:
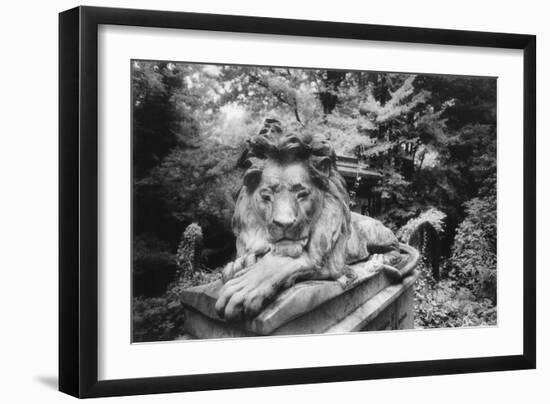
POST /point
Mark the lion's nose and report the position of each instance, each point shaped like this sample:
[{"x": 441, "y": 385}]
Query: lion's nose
[{"x": 284, "y": 222}]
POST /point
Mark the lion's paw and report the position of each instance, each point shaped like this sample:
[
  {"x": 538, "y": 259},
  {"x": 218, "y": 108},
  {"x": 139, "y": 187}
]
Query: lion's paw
[
  {"x": 248, "y": 291},
  {"x": 244, "y": 295}
]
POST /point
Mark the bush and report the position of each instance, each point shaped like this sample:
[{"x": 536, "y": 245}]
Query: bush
[
  {"x": 474, "y": 260},
  {"x": 433, "y": 216},
  {"x": 467, "y": 296},
  {"x": 449, "y": 304},
  {"x": 189, "y": 249},
  {"x": 424, "y": 233},
  {"x": 161, "y": 318},
  {"x": 156, "y": 319}
]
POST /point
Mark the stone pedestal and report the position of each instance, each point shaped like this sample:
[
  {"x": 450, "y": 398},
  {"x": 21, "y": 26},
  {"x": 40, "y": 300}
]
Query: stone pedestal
[{"x": 371, "y": 302}]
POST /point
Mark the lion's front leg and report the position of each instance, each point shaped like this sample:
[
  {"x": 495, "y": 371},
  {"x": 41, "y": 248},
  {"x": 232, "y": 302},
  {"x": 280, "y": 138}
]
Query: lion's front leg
[
  {"x": 246, "y": 294},
  {"x": 233, "y": 268},
  {"x": 242, "y": 264}
]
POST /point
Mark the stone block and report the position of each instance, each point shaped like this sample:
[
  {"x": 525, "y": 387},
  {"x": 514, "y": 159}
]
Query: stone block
[{"x": 309, "y": 307}]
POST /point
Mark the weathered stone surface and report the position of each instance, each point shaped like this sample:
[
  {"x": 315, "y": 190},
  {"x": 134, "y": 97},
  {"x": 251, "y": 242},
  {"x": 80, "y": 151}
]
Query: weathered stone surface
[
  {"x": 370, "y": 301},
  {"x": 299, "y": 300},
  {"x": 197, "y": 325},
  {"x": 318, "y": 319},
  {"x": 391, "y": 309},
  {"x": 306, "y": 308},
  {"x": 203, "y": 298}
]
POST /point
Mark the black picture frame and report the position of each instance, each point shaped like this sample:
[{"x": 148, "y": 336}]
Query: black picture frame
[{"x": 78, "y": 200}]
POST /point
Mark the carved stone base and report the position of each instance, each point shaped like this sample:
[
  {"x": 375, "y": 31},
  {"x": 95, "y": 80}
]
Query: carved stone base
[{"x": 370, "y": 302}]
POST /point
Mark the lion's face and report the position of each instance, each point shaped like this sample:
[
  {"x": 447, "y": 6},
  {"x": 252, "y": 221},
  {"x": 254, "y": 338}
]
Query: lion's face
[
  {"x": 287, "y": 201},
  {"x": 292, "y": 202}
]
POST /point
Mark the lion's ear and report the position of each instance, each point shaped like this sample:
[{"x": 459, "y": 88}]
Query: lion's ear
[
  {"x": 323, "y": 165},
  {"x": 252, "y": 178}
]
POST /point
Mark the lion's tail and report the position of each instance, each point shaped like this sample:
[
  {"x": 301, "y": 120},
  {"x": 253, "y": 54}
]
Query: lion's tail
[
  {"x": 406, "y": 266},
  {"x": 410, "y": 264}
]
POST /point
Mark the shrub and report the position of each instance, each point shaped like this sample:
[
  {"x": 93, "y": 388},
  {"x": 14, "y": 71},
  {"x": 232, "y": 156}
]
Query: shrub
[
  {"x": 433, "y": 216},
  {"x": 474, "y": 260},
  {"x": 161, "y": 318},
  {"x": 449, "y": 304},
  {"x": 424, "y": 233},
  {"x": 156, "y": 319},
  {"x": 189, "y": 249}
]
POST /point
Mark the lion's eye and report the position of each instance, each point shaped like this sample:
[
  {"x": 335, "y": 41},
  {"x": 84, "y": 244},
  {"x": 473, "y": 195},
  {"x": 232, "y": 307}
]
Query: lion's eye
[
  {"x": 303, "y": 194},
  {"x": 266, "y": 197}
]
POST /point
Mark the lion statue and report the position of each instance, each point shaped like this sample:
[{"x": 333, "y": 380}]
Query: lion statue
[{"x": 292, "y": 222}]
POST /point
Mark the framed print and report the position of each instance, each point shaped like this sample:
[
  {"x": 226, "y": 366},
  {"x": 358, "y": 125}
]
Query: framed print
[{"x": 251, "y": 201}]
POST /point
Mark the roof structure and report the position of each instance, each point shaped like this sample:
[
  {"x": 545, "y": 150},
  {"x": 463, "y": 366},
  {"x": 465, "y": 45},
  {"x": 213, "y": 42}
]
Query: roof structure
[{"x": 350, "y": 167}]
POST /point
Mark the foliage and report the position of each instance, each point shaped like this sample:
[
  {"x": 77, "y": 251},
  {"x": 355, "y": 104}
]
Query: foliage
[
  {"x": 424, "y": 233},
  {"x": 474, "y": 259},
  {"x": 161, "y": 318},
  {"x": 189, "y": 249},
  {"x": 156, "y": 319},
  {"x": 449, "y": 303},
  {"x": 433, "y": 216},
  {"x": 433, "y": 139}
]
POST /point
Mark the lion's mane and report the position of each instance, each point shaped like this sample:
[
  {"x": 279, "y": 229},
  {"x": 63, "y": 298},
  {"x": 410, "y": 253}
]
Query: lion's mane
[{"x": 330, "y": 223}]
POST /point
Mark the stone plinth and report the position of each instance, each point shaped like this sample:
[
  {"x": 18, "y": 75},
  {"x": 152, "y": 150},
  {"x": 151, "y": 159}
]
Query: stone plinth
[
  {"x": 370, "y": 302},
  {"x": 391, "y": 309}
]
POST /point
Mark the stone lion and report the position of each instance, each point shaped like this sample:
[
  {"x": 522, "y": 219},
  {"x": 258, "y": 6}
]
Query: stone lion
[{"x": 292, "y": 222}]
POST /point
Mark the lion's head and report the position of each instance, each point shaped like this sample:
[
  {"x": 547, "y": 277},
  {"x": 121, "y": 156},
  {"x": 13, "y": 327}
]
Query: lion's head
[{"x": 292, "y": 201}]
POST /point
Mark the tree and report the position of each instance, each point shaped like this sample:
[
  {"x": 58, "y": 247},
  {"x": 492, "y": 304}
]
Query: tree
[{"x": 432, "y": 138}]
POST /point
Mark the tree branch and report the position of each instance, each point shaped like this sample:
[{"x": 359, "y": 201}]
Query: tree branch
[{"x": 293, "y": 104}]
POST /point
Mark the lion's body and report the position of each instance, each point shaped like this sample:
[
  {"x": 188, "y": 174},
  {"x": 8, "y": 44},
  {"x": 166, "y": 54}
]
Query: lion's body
[
  {"x": 292, "y": 221},
  {"x": 369, "y": 236}
]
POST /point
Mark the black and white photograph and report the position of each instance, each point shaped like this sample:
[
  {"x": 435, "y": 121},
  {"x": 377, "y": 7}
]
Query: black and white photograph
[{"x": 274, "y": 200}]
